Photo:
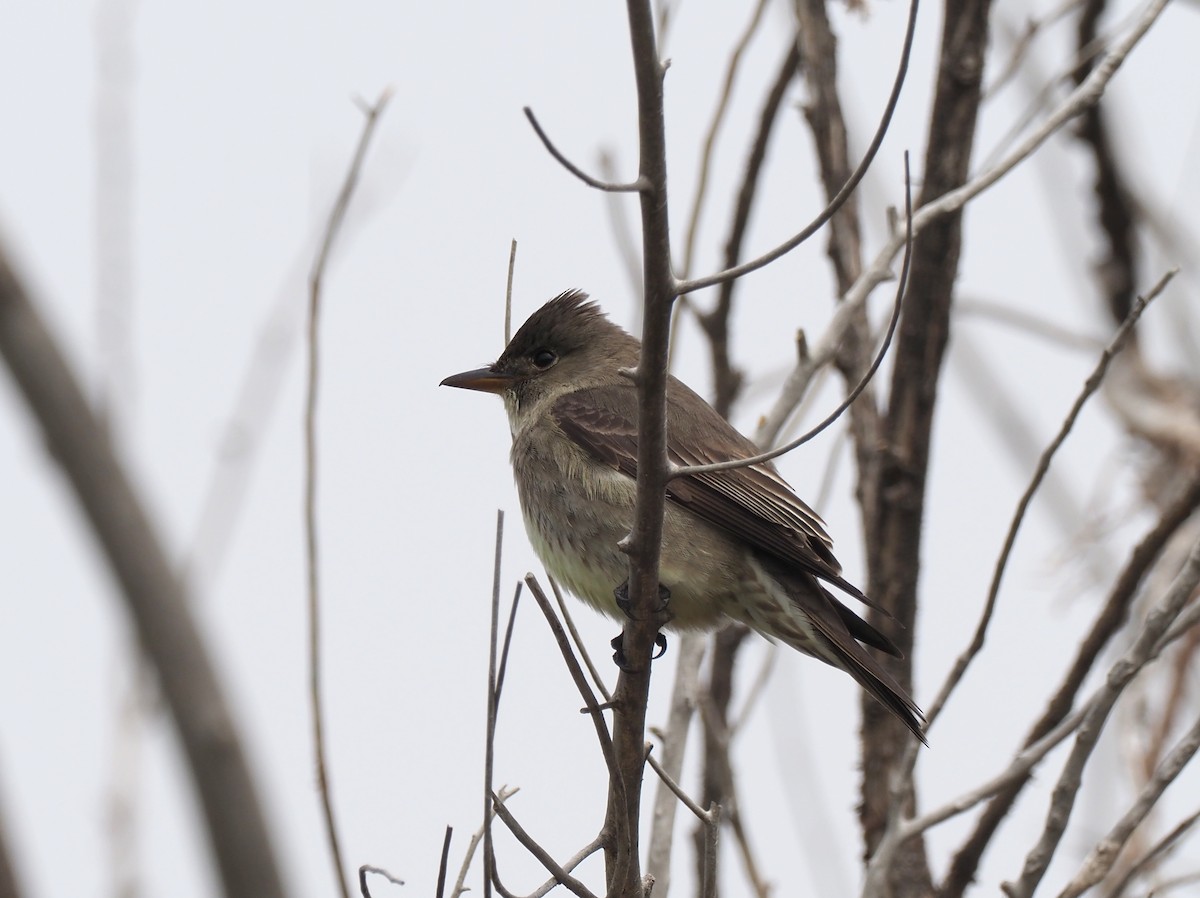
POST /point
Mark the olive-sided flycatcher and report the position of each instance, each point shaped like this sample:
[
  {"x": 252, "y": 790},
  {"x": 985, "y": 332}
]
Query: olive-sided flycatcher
[{"x": 737, "y": 544}]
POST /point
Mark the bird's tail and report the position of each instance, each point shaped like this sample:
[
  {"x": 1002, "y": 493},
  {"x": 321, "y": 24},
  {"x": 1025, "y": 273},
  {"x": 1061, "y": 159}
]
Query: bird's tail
[{"x": 825, "y": 628}]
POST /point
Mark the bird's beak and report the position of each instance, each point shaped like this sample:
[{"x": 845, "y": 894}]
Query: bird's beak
[{"x": 483, "y": 379}]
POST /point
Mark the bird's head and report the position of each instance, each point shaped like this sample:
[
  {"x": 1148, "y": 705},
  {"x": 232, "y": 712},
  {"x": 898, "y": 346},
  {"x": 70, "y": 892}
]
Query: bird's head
[{"x": 568, "y": 344}]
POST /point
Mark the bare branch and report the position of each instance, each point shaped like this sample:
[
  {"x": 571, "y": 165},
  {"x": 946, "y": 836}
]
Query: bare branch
[
  {"x": 694, "y": 284},
  {"x": 1145, "y": 647},
  {"x": 531, "y": 845},
  {"x": 644, "y": 543},
  {"x": 712, "y": 835},
  {"x": 512, "y": 265},
  {"x": 1091, "y": 385},
  {"x": 1156, "y": 853},
  {"x": 1102, "y": 856},
  {"x": 577, "y": 641},
  {"x": 153, "y": 592},
  {"x": 581, "y": 683},
  {"x": 674, "y": 738},
  {"x": 689, "y": 470},
  {"x": 441, "y": 881},
  {"x": 364, "y": 869},
  {"x": 460, "y": 886},
  {"x": 727, "y": 380},
  {"x": 1106, "y": 624},
  {"x": 493, "y": 702},
  {"x": 702, "y": 815},
  {"x": 607, "y": 186},
  {"x": 880, "y": 268},
  {"x": 336, "y": 216},
  {"x": 1035, "y": 325},
  {"x": 710, "y": 137}
]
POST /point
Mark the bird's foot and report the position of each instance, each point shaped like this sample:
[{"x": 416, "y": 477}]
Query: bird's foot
[
  {"x": 621, "y": 593},
  {"x": 618, "y": 644}
]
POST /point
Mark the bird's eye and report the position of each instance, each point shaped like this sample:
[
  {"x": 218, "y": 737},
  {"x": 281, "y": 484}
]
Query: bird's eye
[{"x": 544, "y": 358}]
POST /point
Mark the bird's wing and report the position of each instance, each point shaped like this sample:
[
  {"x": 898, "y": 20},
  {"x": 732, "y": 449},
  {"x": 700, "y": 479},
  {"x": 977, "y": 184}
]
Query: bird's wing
[{"x": 754, "y": 503}]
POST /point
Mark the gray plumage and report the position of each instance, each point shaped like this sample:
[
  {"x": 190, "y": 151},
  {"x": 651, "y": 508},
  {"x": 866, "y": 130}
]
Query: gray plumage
[{"x": 737, "y": 544}]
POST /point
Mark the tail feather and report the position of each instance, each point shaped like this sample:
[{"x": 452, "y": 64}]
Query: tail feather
[{"x": 832, "y": 632}]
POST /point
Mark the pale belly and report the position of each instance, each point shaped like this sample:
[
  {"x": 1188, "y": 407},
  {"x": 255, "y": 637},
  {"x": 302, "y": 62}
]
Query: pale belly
[{"x": 578, "y": 543}]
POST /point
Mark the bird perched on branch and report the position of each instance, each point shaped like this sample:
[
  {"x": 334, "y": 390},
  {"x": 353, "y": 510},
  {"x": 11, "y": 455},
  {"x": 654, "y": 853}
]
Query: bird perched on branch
[{"x": 737, "y": 544}]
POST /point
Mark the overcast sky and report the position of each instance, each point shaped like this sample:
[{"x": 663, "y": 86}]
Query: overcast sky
[{"x": 242, "y": 119}]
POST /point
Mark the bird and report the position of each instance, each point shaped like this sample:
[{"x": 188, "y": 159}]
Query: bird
[{"x": 737, "y": 544}]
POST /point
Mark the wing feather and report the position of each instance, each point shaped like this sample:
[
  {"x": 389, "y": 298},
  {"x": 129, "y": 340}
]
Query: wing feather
[{"x": 755, "y": 502}]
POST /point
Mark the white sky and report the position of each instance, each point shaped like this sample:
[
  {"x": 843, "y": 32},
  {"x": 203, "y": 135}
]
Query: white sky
[{"x": 243, "y": 121}]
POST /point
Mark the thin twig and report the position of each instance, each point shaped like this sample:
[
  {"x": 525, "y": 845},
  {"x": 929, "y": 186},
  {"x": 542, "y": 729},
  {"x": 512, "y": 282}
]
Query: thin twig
[
  {"x": 1157, "y": 852},
  {"x": 1091, "y": 385},
  {"x": 694, "y": 284},
  {"x": 1061, "y": 335},
  {"x": 727, "y": 380},
  {"x": 363, "y": 870},
  {"x": 1104, "y": 854},
  {"x": 489, "y": 750},
  {"x": 948, "y": 203},
  {"x": 674, "y": 737},
  {"x": 543, "y": 856},
  {"x": 577, "y": 640},
  {"x": 336, "y": 216},
  {"x": 581, "y": 683},
  {"x": 712, "y": 835},
  {"x": 1145, "y": 647},
  {"x": 441, "y": 880},
  {"x": 512, "y": 265},
  {"x": 714, "y": 128},
  {"x": 508, "y": 634},
  {"x": 460, "y": 886},
  {"x": 702, "y": 815},
  {"x": 607, "y": 186},
  {"x": 1105, "y": 625},
  {"x": 690, "y": 470}
]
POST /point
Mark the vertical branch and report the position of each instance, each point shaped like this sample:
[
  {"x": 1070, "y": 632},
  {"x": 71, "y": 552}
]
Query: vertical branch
[
  {"x": 828, "y": 124},
  {"x": 894, "y": 522},
  {"x": 727, "y": 380},
  {"x": 336, "y": 217},
  {"x": 644, "y": 543},
  {"x": 493, "y": 700}
]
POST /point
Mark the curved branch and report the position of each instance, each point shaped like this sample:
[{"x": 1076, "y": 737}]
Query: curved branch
[
  {"x": 693, "y": 284},
  {"x": 155, "y": 596},
  {"x": 686, "y": 470},
  {"x": 606, "y": 186}
]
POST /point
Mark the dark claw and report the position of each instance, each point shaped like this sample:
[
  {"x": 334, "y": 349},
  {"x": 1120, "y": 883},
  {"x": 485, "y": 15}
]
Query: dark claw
[
  {"x": 664, "y": 598},
  {"x": 660, "y": 640},
  {"x": 618, "y": 644},
  {"x": 621, "y": 593},
  {"x": 619, "y": 659}
]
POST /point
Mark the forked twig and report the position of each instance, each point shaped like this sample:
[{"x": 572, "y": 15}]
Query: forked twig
[
  {"x": 1104, "y": 854},
  {"x": 460, "y": 884},
  {"x": 531, "y": 845},
  {"x": 1145, "y": 647},
  {"x": 1156, "y": 853}
]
